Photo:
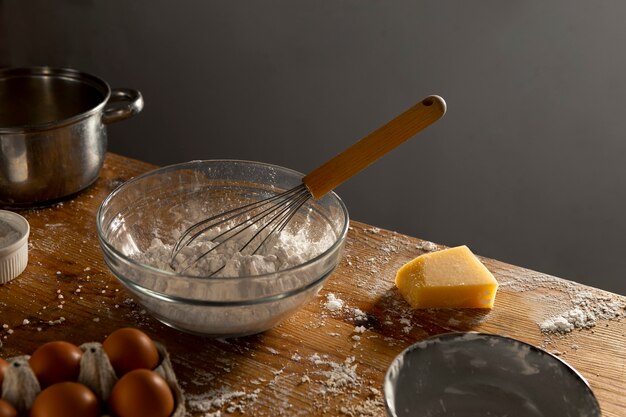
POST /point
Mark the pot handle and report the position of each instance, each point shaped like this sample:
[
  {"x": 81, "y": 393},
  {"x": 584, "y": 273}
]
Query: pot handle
[{"x": 117, "y": 113}]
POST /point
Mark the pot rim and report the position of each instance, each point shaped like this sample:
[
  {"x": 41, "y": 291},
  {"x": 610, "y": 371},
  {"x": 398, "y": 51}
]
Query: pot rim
[{"x": 56, "y": 72}]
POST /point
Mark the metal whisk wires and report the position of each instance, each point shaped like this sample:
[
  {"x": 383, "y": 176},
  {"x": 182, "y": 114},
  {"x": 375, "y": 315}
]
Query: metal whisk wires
[{"x": 263, "y": 219}]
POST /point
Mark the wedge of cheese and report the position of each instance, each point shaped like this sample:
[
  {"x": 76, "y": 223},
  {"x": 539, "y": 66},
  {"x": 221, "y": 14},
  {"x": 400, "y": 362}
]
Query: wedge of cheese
[{"x": 450, "y": 278}]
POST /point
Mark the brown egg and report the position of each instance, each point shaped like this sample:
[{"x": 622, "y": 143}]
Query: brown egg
[
  {"x": 66, "y": 399},
  {"x": 3, "y": 366},
  {"x": 128, "y": 349},
  {"x": 55, "y": 362},
  {"x": 141, "y": 393},
  {"x": 7, "y": 410}
]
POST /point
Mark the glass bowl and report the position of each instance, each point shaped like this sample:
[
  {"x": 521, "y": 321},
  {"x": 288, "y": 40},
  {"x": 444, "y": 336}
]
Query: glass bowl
[{"x": 162, "y": 203}]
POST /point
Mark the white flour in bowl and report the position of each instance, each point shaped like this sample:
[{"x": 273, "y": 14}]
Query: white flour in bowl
[{"x": 286, "y": 250}]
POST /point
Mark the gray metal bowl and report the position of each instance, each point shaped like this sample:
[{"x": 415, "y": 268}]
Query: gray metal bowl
[
  {"x": 478, "y": 374},
  {"x": 52, "y": 131}
]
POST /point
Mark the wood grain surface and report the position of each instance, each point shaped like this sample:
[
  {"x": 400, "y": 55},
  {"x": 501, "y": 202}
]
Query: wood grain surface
[{"x": 317, "y": 362}]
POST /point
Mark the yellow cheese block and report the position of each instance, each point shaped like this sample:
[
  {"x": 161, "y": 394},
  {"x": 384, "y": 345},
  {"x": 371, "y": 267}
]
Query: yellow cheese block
[{"x": 450, "y": 278}]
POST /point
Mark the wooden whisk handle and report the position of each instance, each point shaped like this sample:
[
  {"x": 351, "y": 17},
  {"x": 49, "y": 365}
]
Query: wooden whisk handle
[{"x": 360, "y": 155}]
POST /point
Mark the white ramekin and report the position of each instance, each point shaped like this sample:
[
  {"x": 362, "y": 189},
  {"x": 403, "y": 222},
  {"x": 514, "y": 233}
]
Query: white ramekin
[{"x": 14, "y": 257}]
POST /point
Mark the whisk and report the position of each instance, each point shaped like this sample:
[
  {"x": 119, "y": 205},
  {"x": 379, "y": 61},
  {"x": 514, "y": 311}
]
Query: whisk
[{"x": 271, "y": 215}]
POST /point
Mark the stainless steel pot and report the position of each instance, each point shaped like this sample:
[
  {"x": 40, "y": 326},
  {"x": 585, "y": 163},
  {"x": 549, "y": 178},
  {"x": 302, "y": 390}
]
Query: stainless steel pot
[{"x": 53, "y": 137}]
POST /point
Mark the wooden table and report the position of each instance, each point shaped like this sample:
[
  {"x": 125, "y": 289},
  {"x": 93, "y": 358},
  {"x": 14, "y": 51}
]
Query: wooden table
[{"x": 318, "y": 362}]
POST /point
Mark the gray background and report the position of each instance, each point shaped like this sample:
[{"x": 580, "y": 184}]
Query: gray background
[{"x": 526, "y": 167}]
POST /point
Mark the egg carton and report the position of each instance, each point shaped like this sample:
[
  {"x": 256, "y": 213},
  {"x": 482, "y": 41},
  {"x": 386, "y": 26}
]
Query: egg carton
[{"x": 20, "y": 385}]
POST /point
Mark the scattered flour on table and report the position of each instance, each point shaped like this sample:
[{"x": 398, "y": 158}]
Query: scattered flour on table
[
  {"x": 427, "y": 246},
  {"x": 359, "y": 315},
  {"x": 333, "y": 303},
  {"x": 338, "y": 375},
  {"x": 359, "y": 329},
  {"x": 230, "y": 401},
  {"x": 328, "y": 379},
  {"x": 341, "y": 379},
  {"x": 352, "y": 392},
  {"x": 582, "y": 310},
  {"x": 531, "y": 281},
  {"x": 587, "y": 309}
]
